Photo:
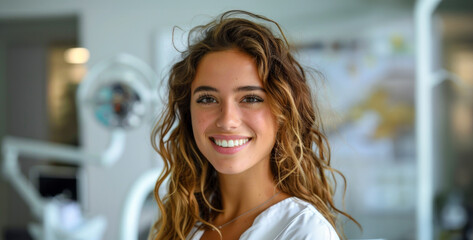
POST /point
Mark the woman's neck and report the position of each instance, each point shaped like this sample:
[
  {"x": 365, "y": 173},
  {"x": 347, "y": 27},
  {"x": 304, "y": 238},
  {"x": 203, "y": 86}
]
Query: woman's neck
[
  {"x": 244, "y": 197},
  {"x": 244, "y": 191}
]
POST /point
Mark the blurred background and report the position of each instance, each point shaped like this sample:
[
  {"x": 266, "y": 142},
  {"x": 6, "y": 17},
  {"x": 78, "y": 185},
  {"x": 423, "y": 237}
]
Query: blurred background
[{"x": 365, "y": 51}]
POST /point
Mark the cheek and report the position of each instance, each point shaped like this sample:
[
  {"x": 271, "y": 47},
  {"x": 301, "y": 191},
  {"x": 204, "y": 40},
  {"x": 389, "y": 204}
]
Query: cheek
[
  {"x": 199, "y": 122},
  {"x": 264, "y": 122}
]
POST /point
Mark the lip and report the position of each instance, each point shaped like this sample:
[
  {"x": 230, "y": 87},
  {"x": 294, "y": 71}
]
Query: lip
[
  {"x": 229, "y": 137},
  {"x": 229, "y": 150}
]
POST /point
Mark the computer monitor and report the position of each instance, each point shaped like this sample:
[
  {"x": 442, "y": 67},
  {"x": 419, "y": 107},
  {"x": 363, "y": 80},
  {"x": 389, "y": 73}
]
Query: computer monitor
[{"x": 54, "y": 180}]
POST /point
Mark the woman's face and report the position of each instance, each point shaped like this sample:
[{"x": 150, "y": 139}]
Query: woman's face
[{"x": 231, "y": 119}]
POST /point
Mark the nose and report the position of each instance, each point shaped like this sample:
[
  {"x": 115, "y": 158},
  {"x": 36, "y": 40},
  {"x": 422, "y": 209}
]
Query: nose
[{"x": 229, "y": 117}]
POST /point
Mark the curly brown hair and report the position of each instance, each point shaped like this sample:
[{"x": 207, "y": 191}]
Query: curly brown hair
[{"x": 300, "y": 159}]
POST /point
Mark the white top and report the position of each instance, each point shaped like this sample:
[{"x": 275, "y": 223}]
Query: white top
[{"x": 291, "y": 218}]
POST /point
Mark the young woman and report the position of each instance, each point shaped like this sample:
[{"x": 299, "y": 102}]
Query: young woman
[{"x": 241, "y": 140}]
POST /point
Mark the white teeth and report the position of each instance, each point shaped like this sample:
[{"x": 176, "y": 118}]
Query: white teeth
[{"x": 230, "y": 143}]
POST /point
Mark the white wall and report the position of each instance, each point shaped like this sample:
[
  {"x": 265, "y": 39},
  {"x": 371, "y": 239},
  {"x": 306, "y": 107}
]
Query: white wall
[{"x": 111, "y": 27}]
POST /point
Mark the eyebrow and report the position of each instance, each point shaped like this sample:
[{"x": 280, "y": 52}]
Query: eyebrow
[
  {"x": 205, "y": 89},
  {"x": 239, "y": 89}
]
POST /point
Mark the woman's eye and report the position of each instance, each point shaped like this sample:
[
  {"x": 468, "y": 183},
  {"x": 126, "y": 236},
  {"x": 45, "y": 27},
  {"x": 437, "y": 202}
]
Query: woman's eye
[
  {"x": 206, "y": 99},
  {"x": 252, "y": 99}
]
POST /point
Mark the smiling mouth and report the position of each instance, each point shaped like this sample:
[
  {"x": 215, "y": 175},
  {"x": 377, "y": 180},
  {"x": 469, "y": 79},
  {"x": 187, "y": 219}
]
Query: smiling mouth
[{"x": 230, "y": 143}]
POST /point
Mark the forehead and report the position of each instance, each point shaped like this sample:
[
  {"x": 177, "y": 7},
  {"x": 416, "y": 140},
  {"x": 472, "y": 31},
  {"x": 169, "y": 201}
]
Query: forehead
[{"x": 226, "y": 69}]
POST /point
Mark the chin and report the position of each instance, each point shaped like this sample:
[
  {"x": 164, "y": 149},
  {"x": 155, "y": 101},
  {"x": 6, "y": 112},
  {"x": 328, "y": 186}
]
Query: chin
[{"x": 228, "y": 170}]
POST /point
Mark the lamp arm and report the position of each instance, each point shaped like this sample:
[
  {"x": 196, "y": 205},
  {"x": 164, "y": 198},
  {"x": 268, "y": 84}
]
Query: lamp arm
[{"x": 13, "y": 147}]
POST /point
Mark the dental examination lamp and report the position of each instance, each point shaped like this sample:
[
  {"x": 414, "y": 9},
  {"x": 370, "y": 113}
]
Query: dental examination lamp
[{"x": 119, "y": 93}]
